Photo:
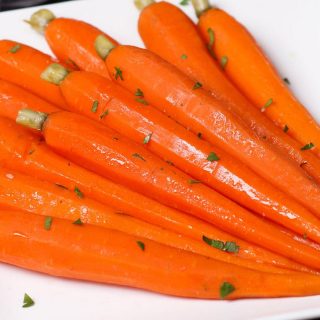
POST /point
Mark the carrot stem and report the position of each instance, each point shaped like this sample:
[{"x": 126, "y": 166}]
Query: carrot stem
[
  {"x": 40, "y": 20},
  {"x": 141, "y": 4},
  {"x": 31, "y": 119},
  {"x": 200, "y": 6},
  {"x": 54, "y": 73},
  {"x": 103, "y": 46}
]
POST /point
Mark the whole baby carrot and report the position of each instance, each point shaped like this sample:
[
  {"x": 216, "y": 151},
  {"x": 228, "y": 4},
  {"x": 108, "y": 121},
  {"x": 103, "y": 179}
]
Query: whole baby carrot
[
  {"x": 132, "y": 165},
  {"x": 93, "y": 96},
  {"x": 181, "y": 98},
  {"x": 253, "y": 73},
  {"x": 22, "y": 152},
  {"x": 20, "y": 192},
  {"x": 169, "y": 32},
  {"x": 74, "y": 41},
  {"x": 107, "y": 256},
  {"x": 23, "y": 65}
]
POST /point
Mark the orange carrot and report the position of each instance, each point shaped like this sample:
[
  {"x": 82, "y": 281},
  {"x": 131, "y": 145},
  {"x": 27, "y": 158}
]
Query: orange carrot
[
  {"x": 22, "y": 152},
  {"x": 132, "y": 165},
  {"x": 14, "y": 98},
  {"x": 178, "y": 96},
  {"x": 21, "y": 192},
  {"x": 23, "y": 65},
  {"x": 108, "y": 256},
  {"x": 251, "y": 71},
  {"x": 170, "y": 33},
  {"x": 92, "y": 95},
  {"x": 74, "y": 41}
]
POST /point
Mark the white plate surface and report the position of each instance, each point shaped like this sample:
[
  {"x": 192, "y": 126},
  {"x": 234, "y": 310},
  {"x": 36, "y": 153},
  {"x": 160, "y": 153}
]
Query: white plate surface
[{"x": 289, "y": 31}]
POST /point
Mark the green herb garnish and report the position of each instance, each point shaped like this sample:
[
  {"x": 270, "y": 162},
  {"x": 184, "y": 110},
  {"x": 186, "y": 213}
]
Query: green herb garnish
[
  {"x": 211, "y": 42},
  {"x": 307, "y": 146},
  {"x": 223, "y": 62},
  {"x": 184, "y": 2},
  {"x": 138, "y": 93},
  {"x": 147, "y": 138},
  {"x": 197, "y": 85},
  {"x": 118, "y": 73},
  {"x": 286, "y": 80},
  {"x": 225, "y": 289},
  {"x": 27, "y": 301},
  {"x": 228, "y": 246},
  {"x": 78, "y": 222},
  {"x": 184, "y": 56},
  {"x": 137, "y": 155},
  {"x": 140, "y": 100},
  {"x": 267, "y": 105},
  {"x": 47, "y": 223},
  {"x": 212, "y": 157},
  {"x": 286, "y": 128},
  {"x": 78, "y": 192},
  {"x": 15, "y": 48},
  {"x": 104, "y": 113},
  {"x": 141, "y": 245},
  {"x": 95, "y": 105}
]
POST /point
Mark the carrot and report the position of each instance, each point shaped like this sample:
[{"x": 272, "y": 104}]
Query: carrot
[
  {"x": 178, "y": 96},
  {"x": 125, "y": 161},
  {"x": 14, "y": 98},
  {"x": 84, "y": 91},
  {"x": 23, "y": 65},
  {"x": 170, "y": 33},
  {"x": 252, "y": 72},
  {"x": 103, "y": 255},
  {"x": 21, "y": 192},
  {"x": 22, "y": 152},
  {"x": 74, "y": 41}
]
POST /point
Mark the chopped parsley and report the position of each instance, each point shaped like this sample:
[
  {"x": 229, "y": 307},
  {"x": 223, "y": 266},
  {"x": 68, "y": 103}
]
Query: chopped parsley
[
  {"x": 197, "y": 85},
  {"x": 267, "y": 105},
  {"x": 47, "y": 223},
  {"x": 78, "y": 192},
  {"x": 139, "y": 93},
  {"x": 27, "y": 301},
  {"x": 307, "y": 146},
  {"x": 286, "y": 80},
  {"x": 184, "y": 2},
  {"x": 141, "y": 245},
  {"x": 184, "y": 56},
  {"x": 140, "y": 100},
  {"x": 104, "y": 113},
  {"x": 118, "y": 73},
  {"x": 225, "y": 289},
  {"x": 212, "y": 157},
  {"x": 78, "y": 222},
  {"x": 228, "y": 246},
  {"x": 223, "y": 62},
  {"x": 95, "y": 105},
  {"x": 15, "y": 48},
  {"x": 211, "y": 42}
]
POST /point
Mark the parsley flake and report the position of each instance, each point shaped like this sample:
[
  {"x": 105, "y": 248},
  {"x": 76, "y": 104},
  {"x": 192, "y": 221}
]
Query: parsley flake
[
  {"x": 118, "y": 73},
  {"x": 139, "y": 93},
  {"x": 307, "y": 146},
  {"x": 223, "y": 62},
  {"x": 184, "y": 56},
  {"x": 147, "y": 138},
  {"x": 184, "y": 2},
  {"x": 212, "y": 157},
  {"x": 95, "y": 105},
  {"x": 78, "y": 192},
  {"x": 141, "y": 245},
  {"x": 104, "y": 113},
  {"x": 286, "y": 80},
  {"x": 267, "y": 105},
  {"x": 47, "y": 223},
  {"x": 138, "y": 156},
  {"x": 228, "y": 246},
  {"x": 197, "y": 85},
  {"x": 140, "y": 100},
  {"x": 225, "y": 289},
  {"x": 78, "y": 222},
  {"x": 27, "y": 301},
  {"x": 211, "y": 42},
  {"x": 15, "y": 48}
]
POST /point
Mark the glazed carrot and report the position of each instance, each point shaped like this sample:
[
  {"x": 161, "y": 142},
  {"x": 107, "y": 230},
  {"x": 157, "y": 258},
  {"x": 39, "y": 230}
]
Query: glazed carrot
[
  {"x": 132, "y": 165},
  {"x": 21, "y": 192},
  {"x": 74, "y": 41},
  {"x": 14, "y": 98},
  {"x": 22, "y": 152},
  {"x": 23, "y": 65},
  {"x": 108, "y": 256},
  {"x": 178, "y": 96},
  {"x": 251, "y": 71},
  {"x": 168, "y": 31},
  {"x": 84, "y": 91}
]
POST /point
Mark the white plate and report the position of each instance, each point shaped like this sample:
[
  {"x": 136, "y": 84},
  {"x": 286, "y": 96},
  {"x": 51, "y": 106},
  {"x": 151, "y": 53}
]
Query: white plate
[{"x": 289, "y": 31}]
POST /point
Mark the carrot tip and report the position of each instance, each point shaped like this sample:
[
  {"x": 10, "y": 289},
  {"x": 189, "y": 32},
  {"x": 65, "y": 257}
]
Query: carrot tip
[
  {"x": 31, "y": 119},
  {"x": 55, "y": 73},
  {"x": 40, "y": 19},
  {"x": 141, "y": 4},
  {"x": 103, "y": 46},
  {"x": 200, "y": 6}
]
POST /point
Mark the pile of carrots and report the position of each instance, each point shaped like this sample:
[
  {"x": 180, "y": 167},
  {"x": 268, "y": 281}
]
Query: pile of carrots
[{"x": 187, "y": 168}]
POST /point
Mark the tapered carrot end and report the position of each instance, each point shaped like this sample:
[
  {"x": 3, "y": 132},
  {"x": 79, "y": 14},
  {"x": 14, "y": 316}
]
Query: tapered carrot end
[
  {"x": 103, "y": 46},
  {"x": 55, "y": 73},
  {"x": 31, "y": 119},
  {"x": 200, "y": 6},
  {"x": 141, "y": 4},
  {"x": 40, "y": 19}
]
